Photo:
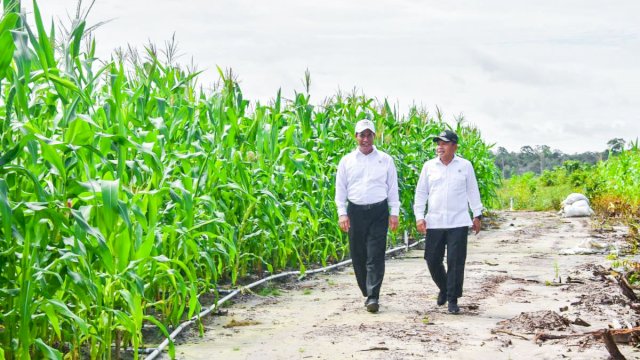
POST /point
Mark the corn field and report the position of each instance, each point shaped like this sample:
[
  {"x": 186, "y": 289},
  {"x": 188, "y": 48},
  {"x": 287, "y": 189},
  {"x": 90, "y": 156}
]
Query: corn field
[
  {"x": 127, "y": 192},
  {"x": 619, "y": 176}
]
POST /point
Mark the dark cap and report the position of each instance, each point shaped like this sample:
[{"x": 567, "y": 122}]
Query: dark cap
[{"x": 447, "y": 136}]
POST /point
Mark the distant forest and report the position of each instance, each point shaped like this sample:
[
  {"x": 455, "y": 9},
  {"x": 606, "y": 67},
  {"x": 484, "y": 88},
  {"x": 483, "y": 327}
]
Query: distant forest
[{"x": 538, "y": 158}]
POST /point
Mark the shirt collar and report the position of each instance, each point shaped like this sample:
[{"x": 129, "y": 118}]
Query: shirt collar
[
  {"x": 359, "y": 153},
  {"x": 455, "y": 159}
]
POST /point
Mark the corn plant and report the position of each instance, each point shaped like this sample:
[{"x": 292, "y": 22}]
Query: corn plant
[
  {"x": 618, "y": 178},
  {"x": 127, "y": 192}
]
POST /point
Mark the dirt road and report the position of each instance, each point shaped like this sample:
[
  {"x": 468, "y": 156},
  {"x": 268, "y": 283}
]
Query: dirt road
[{"x": 516, "y": 285}]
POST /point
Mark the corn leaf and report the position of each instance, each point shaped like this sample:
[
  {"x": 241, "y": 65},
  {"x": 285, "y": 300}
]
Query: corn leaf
[
  {"x": 50, "y": 154},
  {"x": 49, "y": 352},
  {"x": 7, "y": 46}
]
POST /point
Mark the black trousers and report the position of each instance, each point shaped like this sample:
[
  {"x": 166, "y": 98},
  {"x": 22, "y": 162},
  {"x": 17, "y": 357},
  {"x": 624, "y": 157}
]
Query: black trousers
[
  {"x": 367, "y": 243},
  {"x": 455, "y": 242}
]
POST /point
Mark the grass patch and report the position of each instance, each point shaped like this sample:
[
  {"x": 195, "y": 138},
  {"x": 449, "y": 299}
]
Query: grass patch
[
  {"x": 269, "y": 291},
  {"x": 528, "y": 192}
]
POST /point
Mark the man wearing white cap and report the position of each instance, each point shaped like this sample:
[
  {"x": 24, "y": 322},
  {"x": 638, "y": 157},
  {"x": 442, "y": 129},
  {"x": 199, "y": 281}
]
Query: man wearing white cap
[{"x": 368, "y": 205}]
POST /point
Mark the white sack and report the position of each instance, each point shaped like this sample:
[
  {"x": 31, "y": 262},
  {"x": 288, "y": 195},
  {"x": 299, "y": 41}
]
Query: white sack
[
  {"x": 576, "y": 205},
  {"x": 576, "y": 211},
  {"x": 573, "y": 197},
  {"x": 580, "y": 203}
]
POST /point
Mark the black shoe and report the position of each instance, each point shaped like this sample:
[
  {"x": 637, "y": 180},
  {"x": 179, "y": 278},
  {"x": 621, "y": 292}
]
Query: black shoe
[
  {"x": 442, "y": 298},
  {"x": 453, "y": 307},
  {"x": 372, "y": 305}
]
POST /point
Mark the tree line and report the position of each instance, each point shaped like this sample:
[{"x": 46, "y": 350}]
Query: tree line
[{"x": 538, "y": 158}]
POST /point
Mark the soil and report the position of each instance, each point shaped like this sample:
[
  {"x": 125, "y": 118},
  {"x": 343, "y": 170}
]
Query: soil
[{"x": 517, "y": 285}]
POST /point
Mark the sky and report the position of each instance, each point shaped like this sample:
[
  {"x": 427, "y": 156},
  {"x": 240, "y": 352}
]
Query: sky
[{"x": 560, "y": 73}]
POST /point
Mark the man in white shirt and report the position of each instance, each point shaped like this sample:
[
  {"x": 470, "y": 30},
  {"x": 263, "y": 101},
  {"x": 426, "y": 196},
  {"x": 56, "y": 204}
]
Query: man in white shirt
[
  {"x": 448, "y": 185},
  {"x": 366, "y": 191}
]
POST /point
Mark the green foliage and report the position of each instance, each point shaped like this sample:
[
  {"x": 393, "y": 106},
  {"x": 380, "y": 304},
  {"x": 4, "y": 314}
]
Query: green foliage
[
  {"x": 545, "y": 192},
  {"x": 126, "y": 192},
  {"x": 611, "y": 185},
  {"x": 618, "y": 178},
  {"x": 269, "y": 291}
]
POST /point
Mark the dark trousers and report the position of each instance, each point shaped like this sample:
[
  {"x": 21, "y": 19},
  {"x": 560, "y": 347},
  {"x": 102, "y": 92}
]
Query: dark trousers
[
  {"x": 367, "y": 243},
  {"x": 455, "y": 241}
]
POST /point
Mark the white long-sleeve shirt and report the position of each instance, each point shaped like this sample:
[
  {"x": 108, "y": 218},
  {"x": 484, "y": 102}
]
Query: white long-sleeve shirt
[
  {"x": 449, "y": 190},
  {"x": 367, "y": 179}
]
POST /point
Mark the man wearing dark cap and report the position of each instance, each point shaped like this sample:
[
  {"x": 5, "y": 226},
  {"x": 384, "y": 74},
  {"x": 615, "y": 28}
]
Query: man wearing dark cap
[
  {"x": 448, "y": 185},
  {"x": 366, "y": 191}
]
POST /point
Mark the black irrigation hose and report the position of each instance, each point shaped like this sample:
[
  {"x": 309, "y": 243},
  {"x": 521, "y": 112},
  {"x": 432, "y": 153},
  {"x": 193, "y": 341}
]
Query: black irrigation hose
[{"x": 206, "y": 312}]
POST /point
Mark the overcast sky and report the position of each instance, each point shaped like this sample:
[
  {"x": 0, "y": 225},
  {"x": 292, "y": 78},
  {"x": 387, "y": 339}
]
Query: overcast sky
[{"x": 554, "y": 72}]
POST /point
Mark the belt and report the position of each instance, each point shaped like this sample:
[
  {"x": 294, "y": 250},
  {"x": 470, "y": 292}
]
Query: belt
[{"x": 368, "y": 206}]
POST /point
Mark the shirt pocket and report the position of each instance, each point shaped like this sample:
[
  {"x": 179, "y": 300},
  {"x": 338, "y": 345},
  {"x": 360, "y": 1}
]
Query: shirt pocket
[
  {"x": 378, "y": 173},
  {"x": 355, "y": 174},
  {"x": 435, "y": 181},
  {"x": 459, "y": 183}
]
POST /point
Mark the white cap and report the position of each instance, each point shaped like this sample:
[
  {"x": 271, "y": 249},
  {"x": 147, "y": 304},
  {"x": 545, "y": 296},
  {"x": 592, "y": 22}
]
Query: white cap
[{"x": 365, "y": 124}]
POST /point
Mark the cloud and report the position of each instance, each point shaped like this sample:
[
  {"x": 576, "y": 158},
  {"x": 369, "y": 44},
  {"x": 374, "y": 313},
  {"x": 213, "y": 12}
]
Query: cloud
[
  {"x": 562, "y": 73},
  {"x": 522, "y": 71}
]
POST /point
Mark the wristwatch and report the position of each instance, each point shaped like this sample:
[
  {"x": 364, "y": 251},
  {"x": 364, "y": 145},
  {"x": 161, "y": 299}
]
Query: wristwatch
[{"x": 479, "y": 217}]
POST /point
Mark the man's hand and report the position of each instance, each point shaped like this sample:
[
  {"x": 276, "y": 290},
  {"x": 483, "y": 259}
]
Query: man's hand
[
  {"x": 344, "y": 223},
  {"x": 476, "y": 225},
  {"x": 393, "y": 222},
  {"x": 421, "y": 225}
]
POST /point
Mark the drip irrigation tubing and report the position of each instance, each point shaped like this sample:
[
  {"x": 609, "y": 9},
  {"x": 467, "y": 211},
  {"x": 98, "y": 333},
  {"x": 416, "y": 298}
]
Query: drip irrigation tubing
[{"x": 206, "y": 312}]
